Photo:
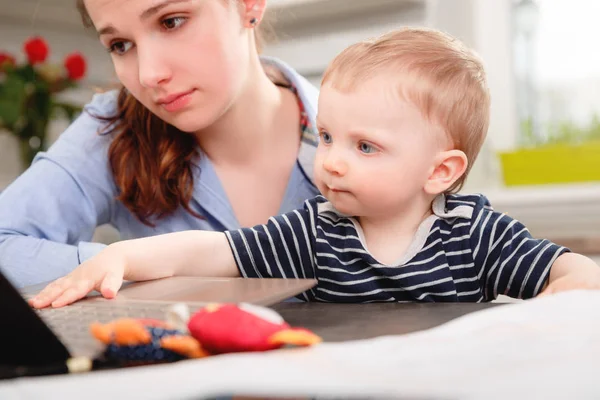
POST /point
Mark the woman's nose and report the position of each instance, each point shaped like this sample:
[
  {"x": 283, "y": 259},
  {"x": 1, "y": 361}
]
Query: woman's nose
[{"x": 153, "y": 71}]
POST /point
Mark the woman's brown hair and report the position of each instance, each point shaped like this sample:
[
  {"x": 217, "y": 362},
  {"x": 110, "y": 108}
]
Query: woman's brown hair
[{"x": 151, "y": 161}]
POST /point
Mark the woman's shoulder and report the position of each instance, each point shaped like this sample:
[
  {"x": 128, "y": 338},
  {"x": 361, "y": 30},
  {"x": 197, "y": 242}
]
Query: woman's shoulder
[
  {"x": 103, "y": 104},
  {"x": 84, "y": 144}
]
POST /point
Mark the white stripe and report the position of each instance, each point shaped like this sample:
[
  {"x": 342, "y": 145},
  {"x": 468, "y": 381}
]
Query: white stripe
[
  {"x": 532, "y": 267},
  {"x": 495, "y": 244},
  {"x": 235, "y": 254},
  {"x": 554, "y": 257},
  {"x": 285, "y": 246},
  {"x": 344, "y": 250},
  {"x": 376, "y": 291},
  {"x": 380, "y": 277},
  {"x": 481, "y": 229},
  {"x": 462, "y": 294},
  {"x": 516, "y": 268},
  {"x": 336, "y": 224},
  {"x": 476, "y": 223},
  {"x": 313, "y": 222},
  {"x": 461, "y": 266},
  {"x": 463, "y": 280},
  {"x": 336, "y": 236},
  {"x": 458, "y": 252},
  {"x": 306, "y": 238},
  {"x": 457, "y": 239},
  {"x": 262, "y": 253},
  {"x": 461, "y": 225},
  {"x": 376, "y": 278},
  {"x": 507, "y": 260},
  {"x": 250, "y": 254},
  {"x": 425, "y": 294},
  {"x": 275, "y": 255},
  {"x": 430, "y": 245},
  {"x": 297, "y": 245},
  {"x": 345, "y": 263}
]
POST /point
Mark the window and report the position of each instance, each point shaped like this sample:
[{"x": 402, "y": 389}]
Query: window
[{"x": 557, "y": 69}]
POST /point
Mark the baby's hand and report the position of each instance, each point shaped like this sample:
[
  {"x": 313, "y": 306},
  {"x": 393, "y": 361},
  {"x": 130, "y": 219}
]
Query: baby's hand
[
  {"x": 103, "y": 272},
  {"x": 578, "y": 278}
]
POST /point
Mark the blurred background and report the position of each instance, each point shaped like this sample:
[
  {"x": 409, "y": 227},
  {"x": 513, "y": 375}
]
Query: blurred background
[{"x": 541, "y": 161}]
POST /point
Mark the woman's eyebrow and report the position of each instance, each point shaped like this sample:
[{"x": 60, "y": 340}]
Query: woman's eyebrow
[{"x": 109, "y": 29}]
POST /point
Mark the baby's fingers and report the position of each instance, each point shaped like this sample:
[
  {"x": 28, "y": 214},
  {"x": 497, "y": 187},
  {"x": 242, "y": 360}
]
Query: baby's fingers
[
  {"x": 111, "y": 284},
  {"x": 49, "y": 293},
  {"x": 73, "y": 292}
]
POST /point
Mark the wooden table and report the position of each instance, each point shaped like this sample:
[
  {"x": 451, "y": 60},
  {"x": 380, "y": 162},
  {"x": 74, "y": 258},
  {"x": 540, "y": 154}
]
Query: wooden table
[{"x": 341, "y": 322}]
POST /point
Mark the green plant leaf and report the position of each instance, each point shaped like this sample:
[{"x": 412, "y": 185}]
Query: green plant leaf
[{"x": 12, "y": 99}]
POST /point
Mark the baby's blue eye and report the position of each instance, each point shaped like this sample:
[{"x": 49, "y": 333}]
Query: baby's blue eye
[
  {"x": 326, "y": 137},
  {"x": 366, "y": 148}
]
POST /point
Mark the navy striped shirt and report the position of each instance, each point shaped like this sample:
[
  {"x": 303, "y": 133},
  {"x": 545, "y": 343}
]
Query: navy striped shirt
[{"x": 465, "y": 251}]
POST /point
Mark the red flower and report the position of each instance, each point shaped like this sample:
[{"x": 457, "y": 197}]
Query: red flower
[
  {"x": 6, "y": 60},
  {"x": 75, "y": 65},
  {"x": 36, "y": 49}
]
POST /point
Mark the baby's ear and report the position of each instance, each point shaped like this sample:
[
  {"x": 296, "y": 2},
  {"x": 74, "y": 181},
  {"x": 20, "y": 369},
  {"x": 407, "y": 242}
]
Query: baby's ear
[{"x": 449, "y": 166}]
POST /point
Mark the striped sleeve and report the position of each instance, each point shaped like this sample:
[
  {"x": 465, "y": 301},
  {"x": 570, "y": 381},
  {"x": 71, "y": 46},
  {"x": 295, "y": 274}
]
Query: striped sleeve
[
  {"x": 282, "y": 248},
  {"x": 510, "y": 261}
]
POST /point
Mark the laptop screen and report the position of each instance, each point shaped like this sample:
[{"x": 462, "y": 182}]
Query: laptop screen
[{"x": 25, "y": 340}]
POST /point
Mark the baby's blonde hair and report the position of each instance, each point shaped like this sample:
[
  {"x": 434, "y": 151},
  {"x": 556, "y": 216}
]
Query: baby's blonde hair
[{"x": 436, "y": 72}]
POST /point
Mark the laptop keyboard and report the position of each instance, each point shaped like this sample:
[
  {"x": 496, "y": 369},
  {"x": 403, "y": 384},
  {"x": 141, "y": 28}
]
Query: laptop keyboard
[{"x": 71, "y": 324}]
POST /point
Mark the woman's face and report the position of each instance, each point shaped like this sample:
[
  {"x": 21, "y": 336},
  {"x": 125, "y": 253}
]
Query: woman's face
[{"x": 185, "y": 60}]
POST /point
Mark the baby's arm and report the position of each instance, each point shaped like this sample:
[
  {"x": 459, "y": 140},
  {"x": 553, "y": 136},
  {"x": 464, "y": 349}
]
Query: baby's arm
[
  {"x": 189, "y": 253},
  {"x": 513, "y": 263},
  {"x": 572, "y": 271}
]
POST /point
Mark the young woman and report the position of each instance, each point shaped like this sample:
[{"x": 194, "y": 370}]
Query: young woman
[{"x": 204, "y": 134}]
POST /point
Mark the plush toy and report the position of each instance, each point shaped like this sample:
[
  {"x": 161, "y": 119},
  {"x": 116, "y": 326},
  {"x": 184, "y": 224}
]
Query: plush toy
[
  {"x": 145, "y": 340},
  {"x": 214, "y": 329},
  {"x": 228, "y": 328}
]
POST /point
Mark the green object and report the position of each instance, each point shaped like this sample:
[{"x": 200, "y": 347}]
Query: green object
[
  {"x": 557, "y": 163},
  {"x": 28, "y": 103}
]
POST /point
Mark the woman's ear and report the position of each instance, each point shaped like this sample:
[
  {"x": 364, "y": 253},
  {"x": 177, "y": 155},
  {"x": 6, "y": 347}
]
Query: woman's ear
[
  {"x": 448, "y": 168},
  {"x": 254, "y": 10}
]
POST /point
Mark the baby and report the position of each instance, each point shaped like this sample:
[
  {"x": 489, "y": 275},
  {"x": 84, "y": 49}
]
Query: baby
[{"x": 401, "y": 120}]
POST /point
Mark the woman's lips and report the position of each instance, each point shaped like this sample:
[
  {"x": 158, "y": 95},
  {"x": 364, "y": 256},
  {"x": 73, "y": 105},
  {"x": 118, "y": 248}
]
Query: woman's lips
[{"x": 176, "y": 102}]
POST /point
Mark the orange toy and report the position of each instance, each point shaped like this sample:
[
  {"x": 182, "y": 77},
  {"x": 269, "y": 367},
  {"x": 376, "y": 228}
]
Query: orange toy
[
  {"x": 227, "y": 328},
  {"x": 145, "y": 340}
]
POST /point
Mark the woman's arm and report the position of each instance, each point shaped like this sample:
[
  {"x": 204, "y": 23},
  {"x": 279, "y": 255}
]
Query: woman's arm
[{"x": 48, "y": 215}]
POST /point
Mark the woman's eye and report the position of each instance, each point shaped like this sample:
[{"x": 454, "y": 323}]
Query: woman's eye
[
  {"x": 172, "y": 23},
  {"x": 366, "y": 148},
  {"x": 120, "y": 47},
  {"x": 326, "y": 137}
]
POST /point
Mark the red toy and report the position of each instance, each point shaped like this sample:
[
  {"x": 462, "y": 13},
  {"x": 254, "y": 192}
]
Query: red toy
[{"x": 229, "y": 328}]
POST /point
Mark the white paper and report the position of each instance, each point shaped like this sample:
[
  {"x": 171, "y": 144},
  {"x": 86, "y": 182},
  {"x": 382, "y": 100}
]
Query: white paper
[{"x": 542, "y": 348}]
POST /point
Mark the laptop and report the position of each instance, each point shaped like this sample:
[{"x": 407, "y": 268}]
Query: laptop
[{"x": 34, "y": 342}]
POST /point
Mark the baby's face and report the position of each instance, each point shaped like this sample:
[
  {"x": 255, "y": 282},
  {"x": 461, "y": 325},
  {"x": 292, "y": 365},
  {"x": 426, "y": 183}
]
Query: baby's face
[{"x": 376, "y": 150}]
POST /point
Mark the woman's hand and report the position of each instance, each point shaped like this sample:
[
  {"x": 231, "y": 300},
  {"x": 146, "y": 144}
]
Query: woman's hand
[{"x": 103, "y": 272}]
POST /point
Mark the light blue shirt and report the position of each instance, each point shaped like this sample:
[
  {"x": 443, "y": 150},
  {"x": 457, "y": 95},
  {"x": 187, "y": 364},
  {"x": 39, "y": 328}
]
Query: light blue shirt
[{"x": 48, "y": 215}]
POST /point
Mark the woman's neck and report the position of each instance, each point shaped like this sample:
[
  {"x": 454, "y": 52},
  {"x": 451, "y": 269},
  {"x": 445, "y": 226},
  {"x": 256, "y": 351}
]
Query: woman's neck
[{"x": 247, "y": 130}]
